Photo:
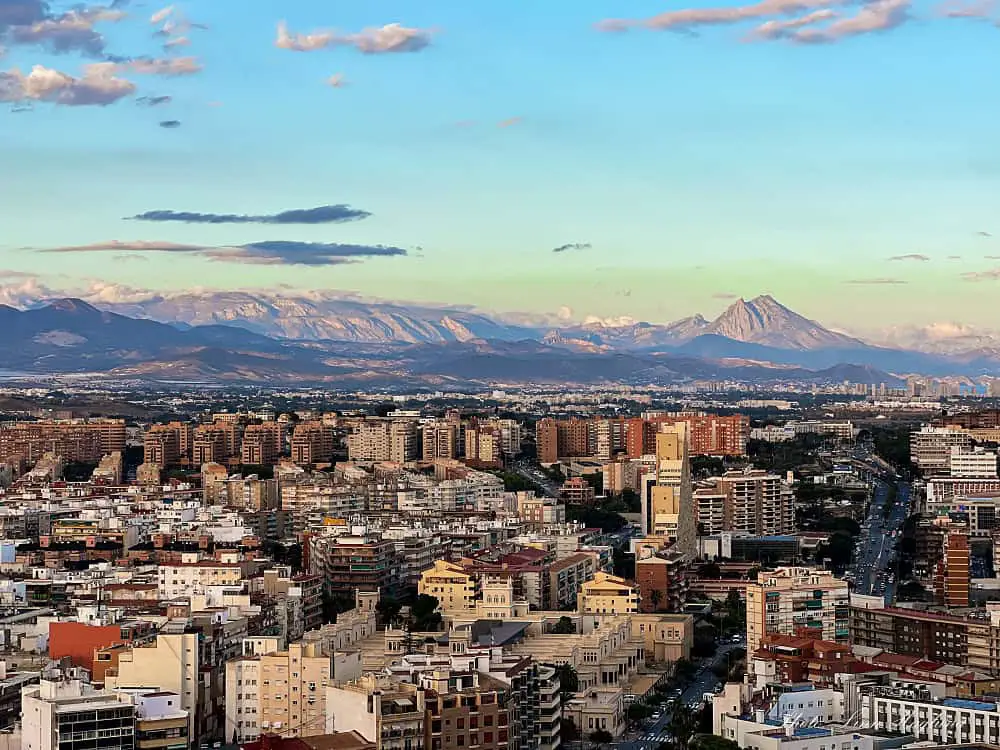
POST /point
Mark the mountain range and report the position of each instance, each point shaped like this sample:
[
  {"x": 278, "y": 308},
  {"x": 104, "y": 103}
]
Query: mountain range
[{"x": 244, "y": 337}]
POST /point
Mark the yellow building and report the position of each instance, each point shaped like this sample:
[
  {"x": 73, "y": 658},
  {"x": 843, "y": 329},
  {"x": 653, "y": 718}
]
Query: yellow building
[
  {"x": 668, "y": 510},
  {"x": 447, "y": 582},
  {"x": 669, "y": 638},
  {"x": 607, "y": 595},
  {"x": 807, "y": 602}
]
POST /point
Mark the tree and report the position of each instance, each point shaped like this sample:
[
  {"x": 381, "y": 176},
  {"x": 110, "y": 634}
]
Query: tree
[
  {"x": 638, "y": 712},
  {"x": 569, "y": 682},
  {"x": 568, "y": 731},
  {"x": 630, "y": 499},
  {"x": 424, "y": 616},
  {"x": 388, "y": 610},
  {"x": 601, "y": 737},
  {"x": 682, "y": 725},
  {"x": 710, "y": 570},
  {"x": 712, "y": 742},
  {"x": 656, "y": 597},
  {"x": 564, "y": 626},
  {"x": 684, "y": 670}
]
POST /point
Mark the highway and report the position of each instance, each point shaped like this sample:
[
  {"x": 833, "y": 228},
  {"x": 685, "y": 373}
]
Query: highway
[
  {"x": 533, "y": 474},
  {"x": 654, "y": 732},
  {"x": 875, "y": 550}
]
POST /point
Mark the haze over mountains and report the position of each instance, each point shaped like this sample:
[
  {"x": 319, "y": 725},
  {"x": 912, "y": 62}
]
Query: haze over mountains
[{"x": 248, "y": 337}]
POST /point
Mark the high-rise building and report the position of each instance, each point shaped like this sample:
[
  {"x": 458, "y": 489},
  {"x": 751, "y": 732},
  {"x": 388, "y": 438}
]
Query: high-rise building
[
  {"x": 262, "y": 444},
  {"x": 955, "y": 570},
  {"x": 806, "y": 602},
  {"x": 215, "y": 442},
  {"x": 750, "y": 501},
  {"x": 709, "y": 434},
  {"x": 931, "y": 448},
  {"x": 84, "y": 440},
  {"x": 312, "y": 443},
  {"x": 440, "y": 440},
  {"x": 383, "y": 440},
  {"x": 667, "y": 503}
]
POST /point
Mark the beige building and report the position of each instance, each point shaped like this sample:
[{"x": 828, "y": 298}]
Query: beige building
[
  {"x": 293, "y": 690},
  {"x": 607, "y": 595},
  {"x": 171, "y": 664},
  {"x": 667, "y": 506},
  {"x": 669, "y": 638},
  {"x": 806, "y": 602}
]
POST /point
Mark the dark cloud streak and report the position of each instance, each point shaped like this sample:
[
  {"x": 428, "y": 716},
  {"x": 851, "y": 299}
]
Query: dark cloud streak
[
  {"x": 333, "y": 214},
  {"x": 572, "y": 246}
]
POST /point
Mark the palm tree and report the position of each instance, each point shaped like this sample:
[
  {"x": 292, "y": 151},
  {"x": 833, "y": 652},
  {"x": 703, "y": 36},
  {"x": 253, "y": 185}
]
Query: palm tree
[{"x": 601, "y": 737}]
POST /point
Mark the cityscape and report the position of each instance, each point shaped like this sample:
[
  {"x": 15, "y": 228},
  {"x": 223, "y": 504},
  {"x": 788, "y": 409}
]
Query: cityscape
[{"x": 443, "y": 375}]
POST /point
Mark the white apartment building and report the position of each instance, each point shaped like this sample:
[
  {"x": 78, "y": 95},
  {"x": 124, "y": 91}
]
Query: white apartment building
[
  {"x": 243, "y": 699},
  {"x": 56, "y": 714},
  {"x": 194, "y": 574},
  {"x": 943, "y": 490},
  {"x": 913, "y": 709},
  {"x": 975, "y": 464}
]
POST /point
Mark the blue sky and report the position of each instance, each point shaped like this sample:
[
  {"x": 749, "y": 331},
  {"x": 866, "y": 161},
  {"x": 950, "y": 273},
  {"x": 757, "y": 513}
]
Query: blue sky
[{"x": 690, "y": 156}]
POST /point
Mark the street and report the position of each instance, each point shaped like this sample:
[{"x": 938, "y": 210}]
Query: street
[{"x": 654, "y": 732}]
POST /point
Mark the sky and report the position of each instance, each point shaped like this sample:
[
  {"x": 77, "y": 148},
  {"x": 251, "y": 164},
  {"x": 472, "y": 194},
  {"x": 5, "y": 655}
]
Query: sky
[{"x": 584, "y": 158}]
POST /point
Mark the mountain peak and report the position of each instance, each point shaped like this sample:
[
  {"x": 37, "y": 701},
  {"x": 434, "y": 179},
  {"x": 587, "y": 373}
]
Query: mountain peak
[
  {"x": 73, "y": 305},
  {"x": 764, "y": 320}
]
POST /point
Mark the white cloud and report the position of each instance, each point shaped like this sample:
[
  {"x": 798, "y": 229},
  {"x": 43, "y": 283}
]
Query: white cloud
[
  {"x": 98, "y": 86},
  {"x": 161, "y": 15},
  {"x": 337, "y": 81},
  {"x": 392, "y": 37}
]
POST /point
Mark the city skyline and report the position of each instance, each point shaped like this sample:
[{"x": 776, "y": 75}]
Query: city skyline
[{"x": 613, "y": 169}]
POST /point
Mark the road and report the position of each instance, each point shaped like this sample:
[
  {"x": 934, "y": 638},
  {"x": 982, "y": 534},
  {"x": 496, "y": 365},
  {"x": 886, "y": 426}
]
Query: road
[
  {"x": 654, "y": 732},
  {"x": 533, "y": 474},
  {"x": 873, "y": 568}
]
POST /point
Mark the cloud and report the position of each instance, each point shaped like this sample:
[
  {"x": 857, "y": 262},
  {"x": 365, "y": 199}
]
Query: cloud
[
  {"x": 966, "y": 8},
  {"x": 572, "y": 246},
  {"x": 130, "y": 258},
  {"x": 170, "y": 124},
  {"x": 724, "y": 295},
  {"x": 911, "y": 256},
  {"x": 152, "y": 66},
  {"x": 983, "y": 234},
  {"x": 334, "y": 214},
  {"x": 336, "y": 81},
  {"x": 883, "y": 281},
  {"x": 97, "y": 87},
  {"x": 392, "y": 37},
  {"x": 180, "y": 41},
  {"x": 510, "y": 122},
  {"x": 72, "y": 31},
  {"x": 272, "y": 252},
  {"x": 991, "y": 275},
  {"x": 153, "y": 101},
  {"x": 161, "y": 15},
  {"x": 875, "y": 15},
  {"x": 783, "y": 29}
]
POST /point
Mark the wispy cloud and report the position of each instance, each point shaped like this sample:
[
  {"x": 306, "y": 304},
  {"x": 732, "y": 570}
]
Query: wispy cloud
[
  {"x": 153, "y": 101},
  {"x": 510, "y": 122},
  {"x": 572, "y": 246},
  {"x": 991, "y": 275},
  {"x": 160, "y": 66},
  {"x": 97, "y": 87},
  {"x": 392, "y": 37},
  {"x": 333, "y": 214},
  {"x": 881, "y": 281},
  {"x": 920, "y": 257},
  {"x": 170, "y": 124},
  {"x": 793, "y": 20},
  {"x": 983, "y": 234},
  {"x": 967, "y": 8},
  {"x": 337, "y": 81},
  {"x": 725, "y": 295},
  {"x": 271, "y": 252}
]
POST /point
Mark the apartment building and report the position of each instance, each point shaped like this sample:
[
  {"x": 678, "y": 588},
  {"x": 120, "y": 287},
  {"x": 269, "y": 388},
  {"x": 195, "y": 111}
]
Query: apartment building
[
  {"x": 804, "y": 602},
  {"x": 57, "y": 714},
  {"x": 168, "y": 444},
  {"x": 954, "y": 571},
  {"x": 558, "y": 438},
  {"x": 383, "y": 440},
  {"x": 577, "y": 491},
  {"x": 195, "y": 573},
  {"x": 931, "y": 448},
  {"x": 440, "y": 440},
  {"x": 347, "y": 562},
  {"x": 390, "y": 713},
  {"x": 312, "y": 443},
  {"x": 171, "y": 664},
  {"x": 926, "y": 633},
  {"x": 607, "y": 595},
  {"x": 483, "y": 445},
  {"x": 661, "y": 578},
  {"x": 709, "y": 434},
  {"x": 975, "y": 464},
  {"x": 749, "y": 502},
  {"x": 74, "y": 439},
  {"x": 292, "y": 691},
  {"x": 262, "y": 444}
]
